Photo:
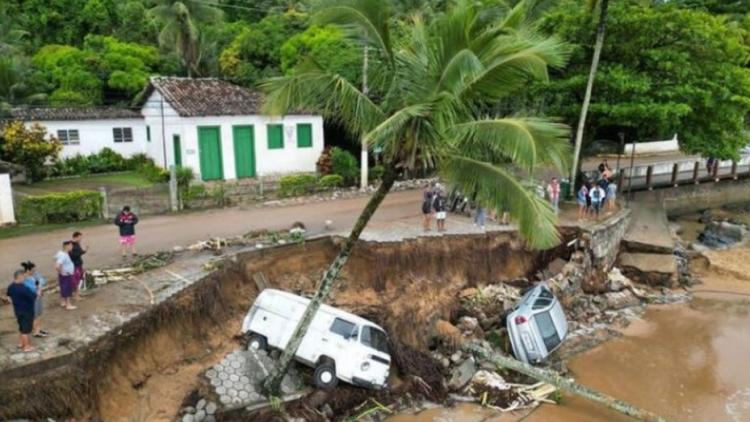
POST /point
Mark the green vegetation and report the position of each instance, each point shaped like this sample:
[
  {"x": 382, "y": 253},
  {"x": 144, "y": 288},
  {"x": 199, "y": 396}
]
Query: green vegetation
[
  {"x": 345, "y": 165},
  {"x": 91, "y": 182},
  {"x": 60, "y": 207},
  {"x": 297, "y": 184},
  {"x": 22, "y": 229},
  {"x": 29, "y": 147},
  {"x": 330, "y": 181}
]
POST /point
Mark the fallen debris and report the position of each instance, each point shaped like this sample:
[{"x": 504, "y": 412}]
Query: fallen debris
[{"x": 562, "y": 383}]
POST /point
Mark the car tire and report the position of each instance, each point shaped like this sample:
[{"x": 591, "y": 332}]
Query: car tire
[
  {"x": 257, "y": 342},
  {"x": 325, "y": 376}
]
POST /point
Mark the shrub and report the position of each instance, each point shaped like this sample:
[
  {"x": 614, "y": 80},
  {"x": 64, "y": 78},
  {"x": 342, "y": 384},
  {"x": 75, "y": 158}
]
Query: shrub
[
  {"x": 190, "y": 194},
  {"x": 344, "y": 164},
  {"x": 153, "y": 173},
  {"x": 185, "y": 176},
  {"x": 136, "y": 161},
  {"x": 298, "y": 184},
  {"x": 60, "y": 207},
  {"x": 106, "y": 161},
  {"x": 330, "y": 181},
  {"x": 324, "y": 165},
  {"x": 376, "y": 172},
  {"x": 29, "y": 147}
]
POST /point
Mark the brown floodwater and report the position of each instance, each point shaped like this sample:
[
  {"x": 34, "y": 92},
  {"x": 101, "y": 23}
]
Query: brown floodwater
[{"x": 686, "y": 362}]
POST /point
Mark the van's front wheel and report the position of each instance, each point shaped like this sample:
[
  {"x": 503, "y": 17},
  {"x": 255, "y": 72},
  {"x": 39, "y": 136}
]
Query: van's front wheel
[
  {"x": 325, "y": 376},
  {"x": 257, "y": 342}
]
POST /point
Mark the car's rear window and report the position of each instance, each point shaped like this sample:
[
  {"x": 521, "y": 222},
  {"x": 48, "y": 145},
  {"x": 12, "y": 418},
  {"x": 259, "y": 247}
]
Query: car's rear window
[
  {"x": 374, "y": 338},
  {"x": 547, "y": 329}
]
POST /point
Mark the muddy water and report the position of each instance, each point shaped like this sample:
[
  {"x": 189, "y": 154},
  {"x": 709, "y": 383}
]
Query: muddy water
[{"x": 684, "y": 362}]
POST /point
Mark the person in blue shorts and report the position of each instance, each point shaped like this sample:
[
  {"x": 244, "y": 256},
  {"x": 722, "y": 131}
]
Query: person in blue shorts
[{"x": 582, "y": 199}]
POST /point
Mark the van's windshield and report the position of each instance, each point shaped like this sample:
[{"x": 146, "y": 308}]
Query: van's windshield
[{"x": 374, "y": 338}]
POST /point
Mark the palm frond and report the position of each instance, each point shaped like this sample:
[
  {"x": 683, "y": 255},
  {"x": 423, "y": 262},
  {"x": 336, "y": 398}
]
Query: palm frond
[
  {"x": 499, "y": 189},
  {"x": 391, "y": 129},
  {"x": 526, "y": 141},
  {"x": 328, "y": 94},
  {"x": 361, "y": 20}
]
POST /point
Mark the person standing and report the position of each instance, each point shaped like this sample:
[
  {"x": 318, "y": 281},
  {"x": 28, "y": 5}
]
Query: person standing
[
  {"x": 582, "y": 198},
  {"x": 76, "y": 255},
  {"x": 23, "y": 307},
  {"x": 480, "y": 217},
  {"x": 611, "y": 195},
  {"x": 126, "y": 222},
  {"x": 441, "y": 206},
  {"x": 553, "y": 190},
  {"x": 36, "y": 283},
  {"x": 597, "y": 197},
  {"x": 65, "y": 268},
  {"x": 427, "y": 198}
]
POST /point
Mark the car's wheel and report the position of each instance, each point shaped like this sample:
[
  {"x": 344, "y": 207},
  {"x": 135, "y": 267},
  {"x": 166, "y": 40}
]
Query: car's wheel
[
  {"x": 325, "y": 375},
  {"x": 257, "y": 342}
]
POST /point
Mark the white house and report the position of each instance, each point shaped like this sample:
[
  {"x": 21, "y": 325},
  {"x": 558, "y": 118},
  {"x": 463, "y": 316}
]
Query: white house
[
  {"x": 86, "y": 130},
  {"x": 216, "y": 128},
  {"x": 208, "y": 124}
]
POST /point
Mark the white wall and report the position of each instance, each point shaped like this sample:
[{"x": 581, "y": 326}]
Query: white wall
[
  {"x": 290, "y": 159},
  {"x": 6, "y": 200},
  {"x": 656, "y": 147},
  {"x": 97, "y": 134}
]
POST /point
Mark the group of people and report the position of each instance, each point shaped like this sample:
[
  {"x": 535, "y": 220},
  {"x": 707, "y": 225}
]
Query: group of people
[
  {"x": 434, "y": 205},
  {"x": 27, "y": 289},
  {"x": 595, "y": 195},
  {"x": 26, "y": 292}
]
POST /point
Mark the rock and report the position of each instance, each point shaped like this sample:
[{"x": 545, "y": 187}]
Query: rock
[
  {"x": 211, "y": 408},
  {"x": 490, "y": 379},
  {"x": 722, "y": 234},
  {"x": 616, "y": 281},
  {"x": 620, "y": 300},
  {"x": 468, "y": 324},
  {"x": 200, "y": 415},
  {"x": 651, "y": 269},
  {"x": 188, "y": 418},
  {"x": 462, "y": 374},
  {"x": 706, "y": 217},
  {"x": 188, "y": 409},
  {"x": 445, "y": 362},
  {"x": 456, "y": 357},
  {"x": 201, "y": 404},
  {"x": 178, "y": 249},
  {"x": 469, "y": 293},
  {"x": 326, "y": 409}
]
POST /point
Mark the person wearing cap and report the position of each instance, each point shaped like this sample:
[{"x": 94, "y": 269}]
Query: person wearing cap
[{"x": 23, "y": 307}]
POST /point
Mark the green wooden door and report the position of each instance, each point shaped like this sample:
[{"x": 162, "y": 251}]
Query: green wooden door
[
  {"x": 177, "y": 145},
  {"x": 209, "y": 145},
  {"x": 244, "y": 151}
]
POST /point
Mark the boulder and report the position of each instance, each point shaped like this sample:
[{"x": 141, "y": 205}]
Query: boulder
[
  {"x": 490, "y": 379},
  {"x": 616, "y": 281},
  {"x": 462, "y": 374},
  {"x": 621, "y": 300},
  {"x": 649, "y": 268},
  {"x": 467, "y": 324},
  {"x": 722, "y": 234}
]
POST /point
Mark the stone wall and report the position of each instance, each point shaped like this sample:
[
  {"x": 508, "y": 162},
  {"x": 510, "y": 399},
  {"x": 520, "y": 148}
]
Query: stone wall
[
  {"x": 691, "y": 198},
  {"x": 604, "y": 239}
]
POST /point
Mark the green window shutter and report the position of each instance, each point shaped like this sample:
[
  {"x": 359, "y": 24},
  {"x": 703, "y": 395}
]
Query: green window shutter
[
  {"x": 304, "y": 135},
  {"x": 275, "y": 136},
  {"x": 148, "y": 133}
]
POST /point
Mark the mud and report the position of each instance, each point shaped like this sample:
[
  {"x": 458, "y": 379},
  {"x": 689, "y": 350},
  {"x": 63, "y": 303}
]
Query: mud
[{"x": 143, "y": 370}]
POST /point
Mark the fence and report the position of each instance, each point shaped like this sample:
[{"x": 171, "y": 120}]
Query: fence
[{"x": 7, "y": 216}]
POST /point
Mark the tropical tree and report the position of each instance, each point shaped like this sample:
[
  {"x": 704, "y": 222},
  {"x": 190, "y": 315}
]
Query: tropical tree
[
  {"x": 600, "y": 29},
  {"x": 442, "y": 77},
  {"x": 180, "y": 21},
  {"x": 11, "y": 37}
]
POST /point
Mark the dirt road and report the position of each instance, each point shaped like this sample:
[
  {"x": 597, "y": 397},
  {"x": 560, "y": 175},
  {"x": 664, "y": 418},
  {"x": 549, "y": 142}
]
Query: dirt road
[{"x": 164, "y": 232}]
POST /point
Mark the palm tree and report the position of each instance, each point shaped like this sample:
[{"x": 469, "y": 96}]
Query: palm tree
[
  {"x": 11, "y": 38},
  {"x": 180, "y": 21},
  {"x": 600, "y": 29},
  {"x": 442, "y": 78}
]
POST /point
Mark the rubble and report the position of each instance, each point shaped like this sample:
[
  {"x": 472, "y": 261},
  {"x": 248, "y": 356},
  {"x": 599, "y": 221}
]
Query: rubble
[
  {"x": 462, "y": 374},
  {"x": 722, "y": 234}
]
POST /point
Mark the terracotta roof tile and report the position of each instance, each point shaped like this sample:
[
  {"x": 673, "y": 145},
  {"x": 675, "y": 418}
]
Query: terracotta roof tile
[
  {"x": 207, "y": 97},
  {"x": 71, "y": 113}
]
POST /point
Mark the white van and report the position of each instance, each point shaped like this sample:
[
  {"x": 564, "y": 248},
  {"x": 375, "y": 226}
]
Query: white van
[{"x": 339, "y": 345}]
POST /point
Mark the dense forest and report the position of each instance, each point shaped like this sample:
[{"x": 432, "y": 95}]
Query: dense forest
[{"x": 679, "y": 66}]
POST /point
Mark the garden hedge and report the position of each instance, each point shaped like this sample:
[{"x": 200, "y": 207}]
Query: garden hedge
[{"x": 62, "y": 207}]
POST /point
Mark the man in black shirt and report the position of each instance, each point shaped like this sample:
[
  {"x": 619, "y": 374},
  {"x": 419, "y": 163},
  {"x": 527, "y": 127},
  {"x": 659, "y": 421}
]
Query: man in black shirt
[
  {"x": 23, "y": 306},
  {"x": 76, "y": 255}
]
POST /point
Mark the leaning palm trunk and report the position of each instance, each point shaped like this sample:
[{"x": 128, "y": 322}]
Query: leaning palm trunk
[
  {"x": 273, "y": 382},
  {"x": 563, "y": 383},
  {"x": 601, "y": 27}
]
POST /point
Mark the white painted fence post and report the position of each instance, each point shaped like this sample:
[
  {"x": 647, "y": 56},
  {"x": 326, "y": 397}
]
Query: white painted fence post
[{"x": 7, "y": 214}]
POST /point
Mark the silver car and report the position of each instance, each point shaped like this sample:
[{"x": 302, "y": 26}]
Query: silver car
[{"x": 537, "y": 325}]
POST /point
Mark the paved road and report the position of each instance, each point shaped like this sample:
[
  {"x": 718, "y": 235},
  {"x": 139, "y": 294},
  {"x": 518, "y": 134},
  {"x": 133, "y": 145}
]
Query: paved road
[{"x": 163, "y": 232}]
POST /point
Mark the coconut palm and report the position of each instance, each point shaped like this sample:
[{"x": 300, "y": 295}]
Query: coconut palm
[
  {"x": 600, "y": 29},
  {"x": 179, "y": 21},
  {"x": 432, "y": 111},
  {"x": 12, "y": 38}
]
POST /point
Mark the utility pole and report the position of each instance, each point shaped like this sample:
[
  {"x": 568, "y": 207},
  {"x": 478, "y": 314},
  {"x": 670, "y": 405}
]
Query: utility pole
[
  {"x": 172, "y": 170},
  {"x": 363, "y": 156}
]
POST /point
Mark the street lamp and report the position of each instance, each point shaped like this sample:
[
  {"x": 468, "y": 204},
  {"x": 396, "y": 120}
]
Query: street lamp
[{"x": 621, "y": 135}]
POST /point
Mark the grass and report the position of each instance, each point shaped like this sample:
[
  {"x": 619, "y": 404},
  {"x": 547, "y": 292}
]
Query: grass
[
  {"x": 91, "y": 182},
  {"x": 27, "y": 229}
]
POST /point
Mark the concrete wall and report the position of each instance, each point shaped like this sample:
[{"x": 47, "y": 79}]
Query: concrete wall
[
  {"x": 97, "y": 134},
  {"x": 7, "y": 216},
  {"x": 604, "y": 239},
  {"x": 268, "y": 162},
  {"x": 687, "y": 199}
]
